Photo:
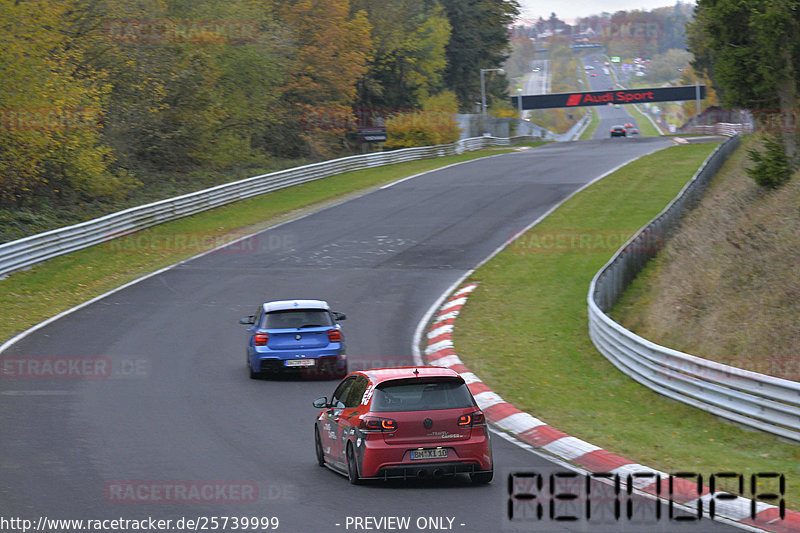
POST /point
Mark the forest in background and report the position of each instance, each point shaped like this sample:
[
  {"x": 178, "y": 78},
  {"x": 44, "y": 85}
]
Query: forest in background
[{"x": 110, "y": 103}]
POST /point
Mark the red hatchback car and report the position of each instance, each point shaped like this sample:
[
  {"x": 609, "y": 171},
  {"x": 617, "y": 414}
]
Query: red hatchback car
[{"x": 403, "y": 423}]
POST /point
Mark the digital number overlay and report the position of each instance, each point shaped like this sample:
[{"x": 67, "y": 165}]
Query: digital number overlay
[{"x": 567, "y": 496}]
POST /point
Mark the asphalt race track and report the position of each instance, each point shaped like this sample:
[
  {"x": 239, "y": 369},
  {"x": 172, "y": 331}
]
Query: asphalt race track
[
  {"x": 179, "y": 413},
  {"x": 608, "y": 115}
]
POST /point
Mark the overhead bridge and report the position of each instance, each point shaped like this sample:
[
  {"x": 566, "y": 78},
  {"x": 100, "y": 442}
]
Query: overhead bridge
[{"x": 621, "y": 96}]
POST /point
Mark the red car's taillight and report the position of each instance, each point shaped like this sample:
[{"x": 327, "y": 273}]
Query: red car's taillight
[
  {"x": 374, "y": 423},
  {"x": 334, "y": 335},
  {"x": 472, "y": 419},
  {"x": 261, "y": 339}
]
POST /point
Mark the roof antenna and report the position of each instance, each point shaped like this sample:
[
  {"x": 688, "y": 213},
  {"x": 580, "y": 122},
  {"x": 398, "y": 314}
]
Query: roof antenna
[{"x": 416, "y": 372}]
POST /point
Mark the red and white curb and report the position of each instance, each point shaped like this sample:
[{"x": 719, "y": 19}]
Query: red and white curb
[{"x": 440, "y": 351}]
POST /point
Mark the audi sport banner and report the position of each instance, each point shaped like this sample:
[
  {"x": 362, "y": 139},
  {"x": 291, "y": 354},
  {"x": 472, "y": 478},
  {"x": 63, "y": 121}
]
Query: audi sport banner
[{"x": 622, "y": 96}]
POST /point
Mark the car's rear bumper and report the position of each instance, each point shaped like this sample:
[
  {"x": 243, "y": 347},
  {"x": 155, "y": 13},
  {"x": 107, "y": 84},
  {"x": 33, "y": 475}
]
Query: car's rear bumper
[
  {"x": 381, "y": 460},
  {"x": 428, "y": 471},
  {"x": 323, "y": 363}
]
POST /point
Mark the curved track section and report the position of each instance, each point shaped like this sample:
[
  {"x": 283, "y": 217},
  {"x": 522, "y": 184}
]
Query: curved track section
[{"x": 174, "y": 414}]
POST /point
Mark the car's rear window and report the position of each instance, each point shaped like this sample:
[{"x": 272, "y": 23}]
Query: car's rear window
[
  {"x": 296, "y": 318},
  {"x": 421, "y": 395}
]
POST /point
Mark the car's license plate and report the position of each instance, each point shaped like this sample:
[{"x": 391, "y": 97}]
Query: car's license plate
[
  {"x": 300, "y": 362},
  {"x": 429, "y": 453}
]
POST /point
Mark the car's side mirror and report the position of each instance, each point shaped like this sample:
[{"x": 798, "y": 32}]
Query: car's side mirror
[
  {"x": 339, "y": 316},
  {"x": 321, "y": 403},
  {"x": 248, "y": 320}
]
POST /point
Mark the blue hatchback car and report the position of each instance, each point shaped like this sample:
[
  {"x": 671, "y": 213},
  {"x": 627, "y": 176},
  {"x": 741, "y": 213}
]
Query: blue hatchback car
[{"x": 295, "y": 336}]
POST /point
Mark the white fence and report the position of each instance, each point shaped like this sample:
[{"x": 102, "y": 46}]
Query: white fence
[
  {"x": 28, "y": 251},
  {"x": 756, "y": 400}
]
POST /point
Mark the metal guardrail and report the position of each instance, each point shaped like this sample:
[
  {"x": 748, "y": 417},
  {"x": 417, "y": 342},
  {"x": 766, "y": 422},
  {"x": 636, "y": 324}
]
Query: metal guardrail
[
  {"x": 755, "y": 400},
  {"x": 29, "y": 251},
  {"x": 720, "y": 128}
]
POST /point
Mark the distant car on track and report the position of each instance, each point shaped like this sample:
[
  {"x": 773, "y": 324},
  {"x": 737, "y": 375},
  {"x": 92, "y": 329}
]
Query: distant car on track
[
  {"x": 403, "y": 423},
  {"x": 295, "y": 336},
  {"x": 618, "y": 131}
]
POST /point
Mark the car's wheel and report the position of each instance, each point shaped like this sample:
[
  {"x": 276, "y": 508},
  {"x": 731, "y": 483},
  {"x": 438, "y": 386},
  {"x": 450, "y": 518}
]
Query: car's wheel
[
  {"x": 318, "y": 448},
  {"x": 482, "y": 478},
  {"x": 352, "y": 467}
]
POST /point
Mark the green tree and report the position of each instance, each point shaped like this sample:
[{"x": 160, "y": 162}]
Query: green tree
[
  {"x": 479, "y": 39},
  {"x": 410, "y": 38},
  {"x": 751, "y": 51},
  {"x": 668, "y": 67},
  {"x": 194, "y": 84},
  {"x": 161, "y": 109},
  {"x": 772, "y": 167}
]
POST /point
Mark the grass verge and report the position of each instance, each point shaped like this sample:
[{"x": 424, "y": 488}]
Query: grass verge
[
  {"x": 590, "y": 129},
  {"x": 645, "y": 126},
  {"x": 28, "y": 297},
  {"x": 534, "y": 292},
  {"x": 727, "y": 284}
]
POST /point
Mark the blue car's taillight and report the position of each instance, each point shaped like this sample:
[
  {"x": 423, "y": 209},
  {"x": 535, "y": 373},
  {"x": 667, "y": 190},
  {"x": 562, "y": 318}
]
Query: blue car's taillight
[{"x": 334, "y": 335}]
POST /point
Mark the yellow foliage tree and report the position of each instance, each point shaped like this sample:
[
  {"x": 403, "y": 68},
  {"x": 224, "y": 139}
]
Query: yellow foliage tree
[
  {"x": 431, "y": 125},
  {"x": 50, "y": 119},
  {"x": 332, "y": 49}
]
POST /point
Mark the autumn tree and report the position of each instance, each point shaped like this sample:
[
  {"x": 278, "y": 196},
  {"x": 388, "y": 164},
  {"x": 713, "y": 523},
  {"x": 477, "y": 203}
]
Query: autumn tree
[
  {"x": 50, "y": 120},
  {"x": 195, "y": 84},
  {"x": 431, "y": 125},
  {"x": 330, "y": 47},
  {"x": 99, "y": 97}
]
